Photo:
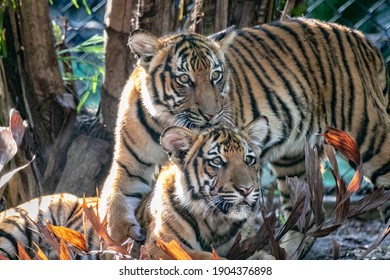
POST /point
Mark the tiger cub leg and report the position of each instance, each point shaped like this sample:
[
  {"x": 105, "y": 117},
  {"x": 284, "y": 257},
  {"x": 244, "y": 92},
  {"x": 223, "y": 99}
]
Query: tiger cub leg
[
  {"x": 291, "y": 166},
  {"x": 376, "y": 164}
]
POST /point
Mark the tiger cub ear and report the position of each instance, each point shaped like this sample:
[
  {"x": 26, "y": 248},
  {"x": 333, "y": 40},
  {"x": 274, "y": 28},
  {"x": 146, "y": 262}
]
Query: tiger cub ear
[
  {"x": 224, "y": 37},
  {"x": 144, "y": 44},
  {"x": 177, "y": 141},
  {"x": 257, "y": 130}
]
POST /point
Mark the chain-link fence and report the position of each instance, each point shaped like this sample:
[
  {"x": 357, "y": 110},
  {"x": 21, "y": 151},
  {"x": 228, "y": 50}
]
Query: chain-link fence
[
  {"x": 372, "y": 17},
  {"x": 81, "y": 31}
]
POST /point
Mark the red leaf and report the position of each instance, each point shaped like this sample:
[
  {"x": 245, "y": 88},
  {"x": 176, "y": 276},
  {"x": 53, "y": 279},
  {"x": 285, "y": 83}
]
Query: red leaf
[
  {"x": 17, "y": 126},
  {"x": 22, "y": 254},
  {"x": 343, "y": 143}
]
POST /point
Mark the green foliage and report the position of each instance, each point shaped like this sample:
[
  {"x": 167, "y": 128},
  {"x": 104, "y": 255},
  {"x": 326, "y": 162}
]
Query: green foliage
[
  {"x": 92, "y": 71},
  {"x": 3, "y": 6},
  {"x": 76, "y": 4}
]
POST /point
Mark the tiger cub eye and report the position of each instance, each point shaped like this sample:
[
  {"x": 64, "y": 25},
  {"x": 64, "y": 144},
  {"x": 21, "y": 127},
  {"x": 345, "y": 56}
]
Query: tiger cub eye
[
  {"x": 216, "y": 76},
  {"x": 216, "y": 162},
  {"x": 183, "y": 79}
]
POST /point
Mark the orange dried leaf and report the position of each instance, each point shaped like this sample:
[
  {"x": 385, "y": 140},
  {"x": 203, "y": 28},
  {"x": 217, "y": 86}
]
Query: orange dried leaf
[
  {"x": 22, "y": 254},
  {"x": 173, "y": 249},
  {"x": 357, "y": 180},
  {"x": 64, "y": 252},
  {"x": 95, "y": 221},
  {"x": 343, "y": 143},
  {"x": 40, "y": 254},
  {"x": 71, "y": 236},
  {"x": 214, "y": 254}
]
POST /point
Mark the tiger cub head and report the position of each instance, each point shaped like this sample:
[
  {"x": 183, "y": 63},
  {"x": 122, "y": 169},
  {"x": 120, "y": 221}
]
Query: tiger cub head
[
  {"x": 218, "y": 169},
  {"x": 185, "y": 77}
]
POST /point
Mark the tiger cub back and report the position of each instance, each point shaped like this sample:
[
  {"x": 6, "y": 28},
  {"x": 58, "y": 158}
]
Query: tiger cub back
[
  {"x": 18, "y": 224},
  {"x": 209, "y": 193}
]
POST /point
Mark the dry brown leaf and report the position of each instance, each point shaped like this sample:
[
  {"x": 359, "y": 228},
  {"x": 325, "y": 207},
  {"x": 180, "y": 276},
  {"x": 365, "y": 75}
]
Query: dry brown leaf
[
  {"x": 64, "y": 251},
  {"x": 22, "y": 254},
  {"x": 173, "y": 250},
  {"x": 40, "y": 255},
  {"x": 335, "y": 249},
  {"x": 321, "y": 232},
  {"x": 343, "y": 143},
  {"x": 278, "y": 252},
  {"x": 95, "y": 222},
  {"x": 71, "y": 236},
  {"x": 246, "y": 248},
  {"x": 315, "y": 186},
  {"x": 369, "y": 202}
]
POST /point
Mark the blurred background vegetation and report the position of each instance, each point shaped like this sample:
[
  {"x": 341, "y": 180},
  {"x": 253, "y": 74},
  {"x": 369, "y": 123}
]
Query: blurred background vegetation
[{"x": 89, "y": 40}]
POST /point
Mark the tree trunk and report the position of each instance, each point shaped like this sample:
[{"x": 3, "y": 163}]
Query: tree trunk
[{"x": 36, "y": 88}]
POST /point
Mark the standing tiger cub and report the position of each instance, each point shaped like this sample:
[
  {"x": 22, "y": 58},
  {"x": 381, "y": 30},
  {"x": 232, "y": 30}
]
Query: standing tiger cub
[
  {"x": 209, "y": 194},
  {"x": 301, "y": 74}
]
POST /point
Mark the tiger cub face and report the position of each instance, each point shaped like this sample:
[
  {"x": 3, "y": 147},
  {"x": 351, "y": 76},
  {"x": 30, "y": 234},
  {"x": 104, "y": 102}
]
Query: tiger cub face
[
  {"x": 185, "y": 79},
  {"x": 219, "y": 169}
]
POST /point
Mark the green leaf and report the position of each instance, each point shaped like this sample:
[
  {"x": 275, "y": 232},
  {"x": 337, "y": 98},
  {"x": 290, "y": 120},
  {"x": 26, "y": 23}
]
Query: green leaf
[
  {"x": 86, "y": 7},
  {"x": 82, "y": 100},
  {"x": 75, "y": 4}
]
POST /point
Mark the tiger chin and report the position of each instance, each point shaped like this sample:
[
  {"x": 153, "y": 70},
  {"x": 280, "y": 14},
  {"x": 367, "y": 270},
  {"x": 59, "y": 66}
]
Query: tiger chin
[{"x": 208, "y": 194}]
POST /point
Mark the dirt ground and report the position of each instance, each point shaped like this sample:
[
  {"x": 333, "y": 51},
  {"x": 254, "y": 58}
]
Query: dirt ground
[{"x": 354, "y": 237}]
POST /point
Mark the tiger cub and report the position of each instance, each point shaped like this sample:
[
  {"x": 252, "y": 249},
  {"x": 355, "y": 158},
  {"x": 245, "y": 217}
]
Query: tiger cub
[
  {"x": 302, "y": 74},
  {"x": 209, "y": 193},
  {"x": 18, "y": 224}
]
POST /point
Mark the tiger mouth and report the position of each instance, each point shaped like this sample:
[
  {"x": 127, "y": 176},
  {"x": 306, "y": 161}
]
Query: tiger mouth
[{"x": 226, "y": 206}]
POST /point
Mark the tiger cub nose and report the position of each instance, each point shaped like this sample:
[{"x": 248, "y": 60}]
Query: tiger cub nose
[{"x": 244, "y": 191}]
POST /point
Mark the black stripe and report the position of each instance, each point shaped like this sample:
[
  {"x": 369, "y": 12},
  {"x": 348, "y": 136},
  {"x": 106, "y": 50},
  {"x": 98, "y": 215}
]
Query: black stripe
[
  {"x": 176, "y": 233},
  {"x": 351, "y": 89},
  {"x": 40, "y": 217},
  {"x": 59, "y": 208},
  {"x": 381, "y": 171},
  {"x": 288, "y": 162},
  {"x": 12, "y": 240},
  {"x": 130, "y": 175},
  {"x": 134, "y": 195},
  {"x": 156, "y": 97},
  {"x": 253, "y": 101},
  {"x": 75, "y": 208},
  {"x": 130, "y": 149},
  {"x": 27, "y": 225},
  {"x": 185, "y": 215},
  {"x": 238, "y": 90},
  {"x": 141, "y": 116}
]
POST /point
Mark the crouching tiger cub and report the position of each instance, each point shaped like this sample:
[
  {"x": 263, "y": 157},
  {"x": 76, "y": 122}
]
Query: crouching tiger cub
[
  {"x": 18, "y": 224},
  {"x": 206, "y": 196},
  {"x": 302, "y": 74},
  {"x": 210, "y": 192}
]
